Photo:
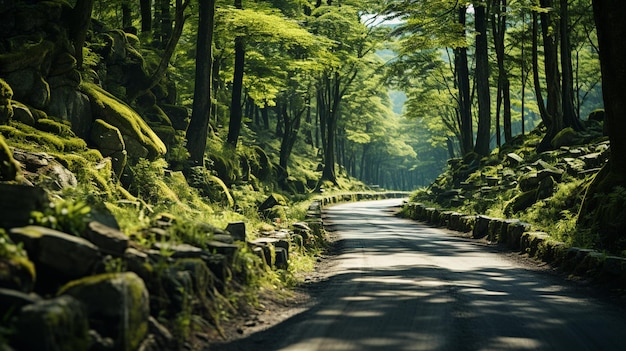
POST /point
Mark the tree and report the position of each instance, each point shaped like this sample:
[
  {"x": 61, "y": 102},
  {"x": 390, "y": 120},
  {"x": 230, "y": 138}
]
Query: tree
[
  {"x": 81, "y": 18},
  {"x": 482, "y": 81},
  {"x": 603, "y": 208},
  {"x": 236, "y": 114},
  {"x": 198, "y": 129}
]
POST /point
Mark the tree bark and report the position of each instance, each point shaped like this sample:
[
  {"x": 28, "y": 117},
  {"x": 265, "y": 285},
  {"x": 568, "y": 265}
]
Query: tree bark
[
  {"x": 81, "y": 17},
  {"x": 463, "y": 84},
  {"x": 146, "y": 15},
  {"x": 236, "y": 114},
  {"x": 482, "y": 82},
  {"x": 602, "y": 209},
  {"x": 536, "y": 82},
  {"x": 199, "y": 124},
  {"x": 554, "y": 106},
  {"x": 570, "y": 116}
]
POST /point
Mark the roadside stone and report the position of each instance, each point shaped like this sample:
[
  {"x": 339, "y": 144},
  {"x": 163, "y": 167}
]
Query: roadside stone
[
  {"x": 59, "y": 323},
  {"x": 237, "y": 230},
  {"x": 117, "y": 306},
  {"x": 107, "y": 239}
]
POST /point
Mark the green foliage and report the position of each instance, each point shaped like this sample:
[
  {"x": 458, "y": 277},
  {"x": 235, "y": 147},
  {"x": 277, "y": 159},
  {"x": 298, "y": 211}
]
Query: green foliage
[
  {"x": 8, "y": 249},
  {"x": 66, "y": 215}
]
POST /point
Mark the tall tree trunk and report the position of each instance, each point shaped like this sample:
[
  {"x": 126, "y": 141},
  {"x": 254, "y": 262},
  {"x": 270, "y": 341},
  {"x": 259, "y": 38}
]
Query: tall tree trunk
[
  {"x": 611, "y": 28},
  {"x": 462, "y": 76},
  {"x": 234, "y": 126},
  {"x": 146, "y": 15},
  {"x": 482, "y": 82},
  {"x": 127, "y": 15},
  {"x": 198, "y": 129},
  {"x": 81, "y": 17},
  {"x": 602, "y": 210},
  {"x": 554, "y": 106},
  {"x": 570, "y": 116},
  {"x": 498, "y": 24},
  {"x": 536, "y": 82}
]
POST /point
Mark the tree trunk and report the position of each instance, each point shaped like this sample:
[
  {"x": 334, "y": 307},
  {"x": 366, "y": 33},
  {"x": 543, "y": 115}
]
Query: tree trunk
[
  {"x": 234, "y": 126},
  {"x": 611, "y": 28},
  {"x": 81, "y": 17},
  {"x": 482, "y": 82},
  {"x": 602, "y": 209},
  {"x": 554, "y": 107},
  {"x": 127, "y": 15},
  {"x": 536, "y": 82},
  {"x": 146, "y": 15},
  {"x": 201, "y": 110},
  {"x": 570, "y": 116},
  {"x": 462, "y": 77}
]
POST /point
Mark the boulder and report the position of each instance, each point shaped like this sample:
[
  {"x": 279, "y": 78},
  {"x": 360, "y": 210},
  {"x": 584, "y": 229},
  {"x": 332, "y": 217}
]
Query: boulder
[
  {"x": 237, "y": 230},
  {"x": 9, "y": 168},
  {"x": 513, "y": 159},
  {"x": 108, "y": 240},
  {"x": 11, "y": 301},
  {"x": 41, "y": 168},
  {"x": 59, "y": 324},
  {"x": 24, "y": 200},
  {"x": 68, "y": 255},
  {"x": 139, "y": 138},
  {"x": 6, "y": 109},
  {"x": 117, "y": 306}
]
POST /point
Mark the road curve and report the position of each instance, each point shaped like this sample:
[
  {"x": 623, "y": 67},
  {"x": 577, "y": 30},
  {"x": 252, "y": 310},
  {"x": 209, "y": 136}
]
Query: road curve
[{"x": 401, "y": 285}]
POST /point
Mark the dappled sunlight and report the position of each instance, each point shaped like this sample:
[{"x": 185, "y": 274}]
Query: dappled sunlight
[{"x": 403, "y": 286}]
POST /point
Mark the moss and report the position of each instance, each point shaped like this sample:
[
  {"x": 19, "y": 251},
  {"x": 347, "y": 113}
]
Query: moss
[
  {"x": 54, "y": 127},
  {"x": 115, "y": 112},
  {"x": 9, "y": 168}
]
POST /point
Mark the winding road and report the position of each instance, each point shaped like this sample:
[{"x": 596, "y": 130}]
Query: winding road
[{"x": 400, "y": 285}]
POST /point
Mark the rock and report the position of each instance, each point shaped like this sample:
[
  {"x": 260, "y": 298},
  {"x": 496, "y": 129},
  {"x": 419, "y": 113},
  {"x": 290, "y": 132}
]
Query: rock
[
  {"x": 139, "y": 138},
  {"x": 24, "y": 200},
  {"x": 513, "y": 159},
  {"x": 41, "y": 168},
  {"x": 117, "y": 306},
  {"x": 106, "y": 137},
  {"x": 6, "y": 109},
  {"x": 70, "y": 104},
  {"x": 521, "y": 202},
  {"x": 9, "y": 168},
  {"x": 222, "y": 248},
  {"x": 237, "y": 230},
  {"x": 68, "y": 255},
  {"x": 16, "y": 272},
  {"x": 59, "y": 323},
  {"x": 22, "y": 113},
  {"x": 107, "y": 239},
  {"x": 11, "y": 301},
  {"x": 272, "y": 201},
  {"x": 566, "y": 137},
  {"x": 546, "y": 188},
  {"x": 179, "y": 250}
]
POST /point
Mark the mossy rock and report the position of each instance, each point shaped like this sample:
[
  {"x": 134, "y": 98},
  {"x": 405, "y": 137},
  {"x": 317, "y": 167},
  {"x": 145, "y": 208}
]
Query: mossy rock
[
  {"x": 226, "y": 168},
  {"x": 9, "y": 168},
  {"x": 6, "y": 94},
  {"x": 521, "y": 202},
  {"x": 55, "y": 324},
  {"x": 117, "y": 306},
  {"x": 54, "y": 127},
  {"x": 137, "y": 134},
  {"x": 566, "y": 137}
]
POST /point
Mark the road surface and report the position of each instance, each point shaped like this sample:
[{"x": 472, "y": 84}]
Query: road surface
[{"x": 400, "y": 285}]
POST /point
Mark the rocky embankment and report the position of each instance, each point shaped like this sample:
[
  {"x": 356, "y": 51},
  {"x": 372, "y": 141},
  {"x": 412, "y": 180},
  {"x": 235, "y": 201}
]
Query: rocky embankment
[
  {"x": 105, "y": 290},
  {"x": 518, "y": 181}
]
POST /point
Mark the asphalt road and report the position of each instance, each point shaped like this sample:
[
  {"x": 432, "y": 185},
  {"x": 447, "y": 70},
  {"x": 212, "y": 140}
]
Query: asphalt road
[{"x": 400, "y": 285}]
